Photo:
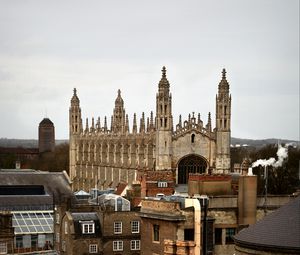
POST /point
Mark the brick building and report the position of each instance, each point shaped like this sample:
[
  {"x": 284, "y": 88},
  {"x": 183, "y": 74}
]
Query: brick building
[
  {"x": 175, "y": 225},
  {"x": 107, "y": 227}
]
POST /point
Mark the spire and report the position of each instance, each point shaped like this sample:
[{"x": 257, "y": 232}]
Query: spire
[
  {"x": 98, "y": 125},
  {"x": 223, "y": 74},
  {"x": 142, "y": 123},
  {"x": 151, "y": 121},
  {"x": 180, "y": 123},
  {"x": 75, "y": 99},
  {"x": 164, "y": 83},
  {"x": 86, "y": 126},
  {"x": 105, "y": 124},
  {"x": 127, "y": 124},
  {"x": 119, "y": 100},
  {"x": 164, "y": 71},
  {"x": 111, "y": 123},
  {"x": 199, "y": 119},
  {"x": 93, "y": 125},
  {"x": 134, "y": 127},
  {"x": 148, "y": 125},
  {"x": 223, "y": 85},
  {"x": 208, "y": 126}
]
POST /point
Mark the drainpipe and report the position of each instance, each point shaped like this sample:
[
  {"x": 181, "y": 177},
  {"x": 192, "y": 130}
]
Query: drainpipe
[{"x": 194, "y": 202}]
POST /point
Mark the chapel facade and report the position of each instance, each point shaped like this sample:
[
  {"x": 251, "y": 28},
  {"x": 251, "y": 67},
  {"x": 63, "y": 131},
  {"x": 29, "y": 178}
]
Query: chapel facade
[{"x": 101, "y": 157}]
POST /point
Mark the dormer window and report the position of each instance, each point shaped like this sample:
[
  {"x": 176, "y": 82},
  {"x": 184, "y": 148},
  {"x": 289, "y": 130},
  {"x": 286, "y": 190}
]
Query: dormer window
[{"x": 87, "y": 227}]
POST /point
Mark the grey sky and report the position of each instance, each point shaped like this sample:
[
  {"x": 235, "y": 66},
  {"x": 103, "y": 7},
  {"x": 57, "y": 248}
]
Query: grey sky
[{"x": 49, "y": 47}]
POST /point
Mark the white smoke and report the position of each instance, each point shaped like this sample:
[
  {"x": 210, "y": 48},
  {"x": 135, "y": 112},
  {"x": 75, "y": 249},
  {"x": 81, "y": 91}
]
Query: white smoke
[{"x": 282, "y": 154}]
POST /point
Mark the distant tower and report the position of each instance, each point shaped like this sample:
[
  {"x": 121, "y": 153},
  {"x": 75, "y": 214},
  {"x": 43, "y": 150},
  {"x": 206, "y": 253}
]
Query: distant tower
[
  {"x": 119, "y": 115},
  {"x": 223, "y": 120},
  {"x": 75, "y": 129},
  {"x": 46, "y": 136},
  {"x": 164, "y": 124}
]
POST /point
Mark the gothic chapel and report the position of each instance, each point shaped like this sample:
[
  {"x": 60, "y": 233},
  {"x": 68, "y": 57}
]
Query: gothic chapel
[{"x": 101, "y": 157}]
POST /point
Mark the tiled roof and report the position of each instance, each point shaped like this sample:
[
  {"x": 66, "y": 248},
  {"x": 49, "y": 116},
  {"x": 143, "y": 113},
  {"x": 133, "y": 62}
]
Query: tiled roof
[
  {"x": 120, "y": 188},
  {"x": 278, "y": 231}
]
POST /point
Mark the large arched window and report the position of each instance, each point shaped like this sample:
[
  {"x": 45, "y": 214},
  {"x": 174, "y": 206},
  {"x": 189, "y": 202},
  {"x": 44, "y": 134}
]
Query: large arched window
[{"x": 190, "y": 164}]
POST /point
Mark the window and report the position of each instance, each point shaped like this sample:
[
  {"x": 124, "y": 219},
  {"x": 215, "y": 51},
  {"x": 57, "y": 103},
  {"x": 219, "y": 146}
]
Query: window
[
  {"x": 19, "y": 241},
  {"x": 230, "y": 232},
  {"x": 156, "y": 233},
  {"x": 3, "y": 248},
  {"x": 34, "y": 240},
  {"x": 93, "y": 248},
  {"x": 118, "y": 227},
  {"x": 218, "y": 235},
  {"x": 135, "y": 227},
  {"x": 135, "y": 245},
  {"x": 119, "y": 202},
  {"x": 193, "y": 138},
  {"x": 88, "y": 228},
  {"x": 189, "y": 234},
  {"x": 162, "y": 184},
  {"x": 166, "y": 122},
  {"x": 117, "y": 245},
  {"x": 66, "y": 227}
]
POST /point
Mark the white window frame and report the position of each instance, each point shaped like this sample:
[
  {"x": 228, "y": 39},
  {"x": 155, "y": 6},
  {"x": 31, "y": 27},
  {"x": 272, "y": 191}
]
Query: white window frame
[
  {"x": 135, "y": 228},
  {"x": 88, "y": 228},
  {"x": 135, "y": 245},
  {"x": 162, "y": 184},
  {"x": 93, "y": 248},
  {"x": 118, "y": 227},
  {"x": 3, "y": 248},
  {"x": 117, "y": 245}
]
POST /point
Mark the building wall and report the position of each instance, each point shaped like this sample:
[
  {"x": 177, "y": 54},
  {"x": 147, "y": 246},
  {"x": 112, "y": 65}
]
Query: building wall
[
  {"x": 6, "y": 232},
  {"x": 72, "y": 243},
  {"x": 46, "y": 136},
  {"x": 102, "y": 156},
  {"x": 167, "y": 230},
  {"x": 107, "y": 222}
]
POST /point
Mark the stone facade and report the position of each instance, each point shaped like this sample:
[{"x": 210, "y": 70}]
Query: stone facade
[{"x": 102, "y": 156}]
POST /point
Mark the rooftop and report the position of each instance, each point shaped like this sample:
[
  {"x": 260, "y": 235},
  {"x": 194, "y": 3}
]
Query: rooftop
[{"x": 278, "y": 231}]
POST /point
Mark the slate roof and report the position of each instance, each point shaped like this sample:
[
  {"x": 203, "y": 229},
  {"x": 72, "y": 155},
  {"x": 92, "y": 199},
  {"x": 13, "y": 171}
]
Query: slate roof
[
  {"x": 84, "y": 216},
  {"x": 278, "y": 231},
  {"x": 54, "y": 183}
]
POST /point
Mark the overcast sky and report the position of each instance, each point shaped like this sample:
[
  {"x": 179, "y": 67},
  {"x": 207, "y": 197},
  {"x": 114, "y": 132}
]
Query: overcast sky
[{"x": 49, "y": 47}]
